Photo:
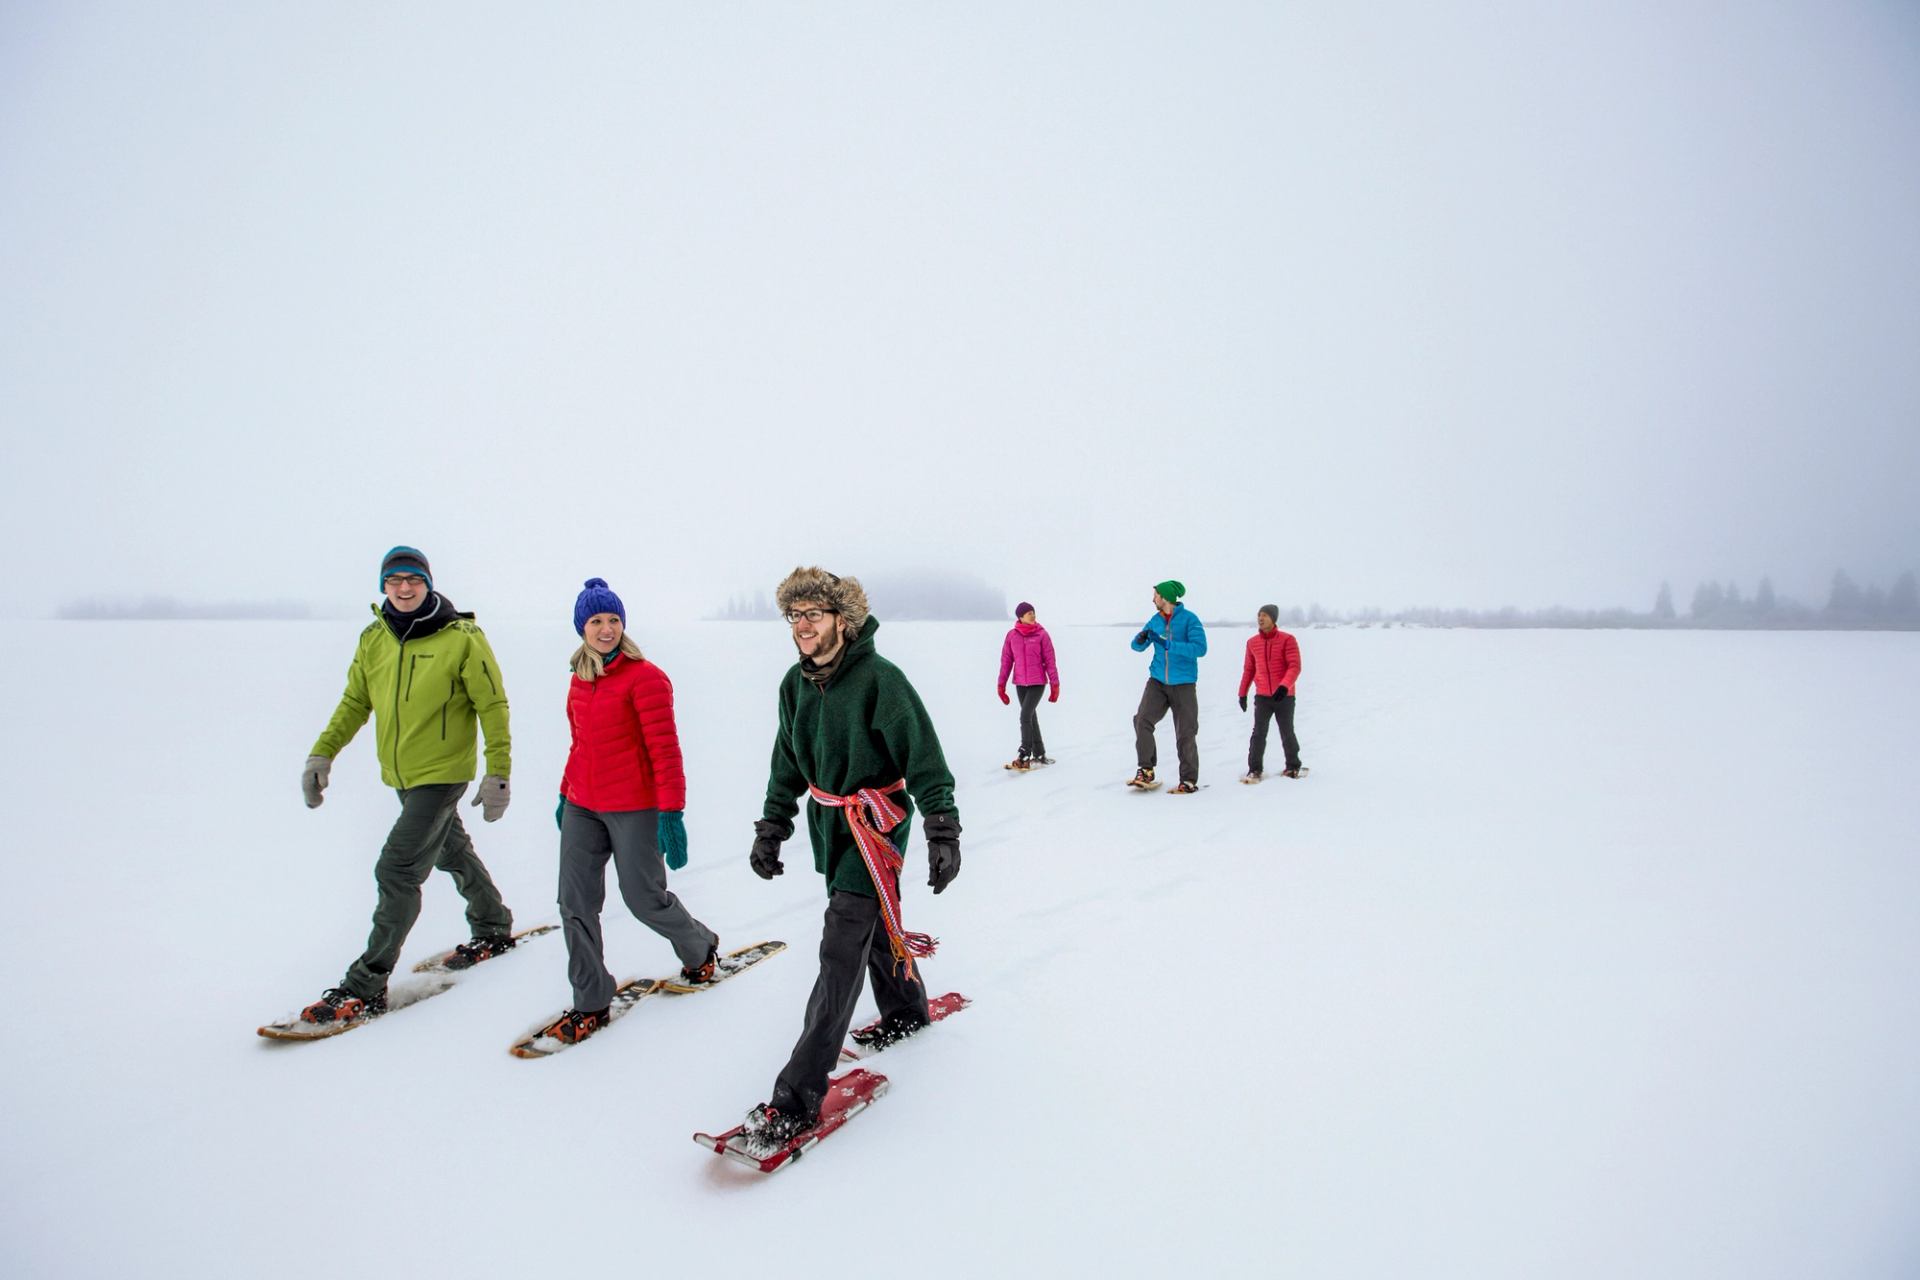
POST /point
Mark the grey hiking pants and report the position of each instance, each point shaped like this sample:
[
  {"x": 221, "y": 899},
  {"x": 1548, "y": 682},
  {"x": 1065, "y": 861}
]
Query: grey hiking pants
[
  {"x": 853, "y": 946},
  {"x": 632, "y": 839},
  {"x": 428, "y": 834},
  {"x": 1030, "y": 743},
  {"x": 1265, "y": 709},
  {"x": 1155, "y": 701}
]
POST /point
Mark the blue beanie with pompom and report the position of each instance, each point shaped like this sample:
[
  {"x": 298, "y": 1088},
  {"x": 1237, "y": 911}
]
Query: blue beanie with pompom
[{"x": 597, "y": 598}]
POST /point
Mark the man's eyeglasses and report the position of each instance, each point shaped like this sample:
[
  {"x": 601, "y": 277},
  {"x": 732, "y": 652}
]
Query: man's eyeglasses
[
  {"x": 404, "y": 580},
  {"x": 794, "y": 616}
]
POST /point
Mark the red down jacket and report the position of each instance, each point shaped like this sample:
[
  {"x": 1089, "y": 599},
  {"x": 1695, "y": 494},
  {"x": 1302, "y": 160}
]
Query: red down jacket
[
  {"x": 1273, "y": 663},
  {"x": 626, "y": 752}
]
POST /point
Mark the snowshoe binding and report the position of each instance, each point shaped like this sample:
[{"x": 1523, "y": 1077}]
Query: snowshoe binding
[
  {"x": 469, "y": 954},
  {"x": 337, "y": 1004}
]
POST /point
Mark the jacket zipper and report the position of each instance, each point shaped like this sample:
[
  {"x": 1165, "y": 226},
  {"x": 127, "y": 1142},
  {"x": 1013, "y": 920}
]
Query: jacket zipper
[{"x": 399, "y": 782}]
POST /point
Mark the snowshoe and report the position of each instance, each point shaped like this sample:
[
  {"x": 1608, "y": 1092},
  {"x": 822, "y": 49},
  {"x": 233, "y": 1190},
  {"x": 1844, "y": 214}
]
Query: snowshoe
[
  {"x": 1143, "y": 780},
  {"x": 1185, "y": 789},
  {"x": 1252, "y": 776}
]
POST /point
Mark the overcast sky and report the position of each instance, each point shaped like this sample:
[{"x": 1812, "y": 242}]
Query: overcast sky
[{"x": 1383, "y": 304}]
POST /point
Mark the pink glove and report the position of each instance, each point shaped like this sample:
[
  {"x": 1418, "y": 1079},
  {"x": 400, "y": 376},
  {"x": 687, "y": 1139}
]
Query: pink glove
[
  {"x": 1005, "y": 701},
  {"x": 1053, "y": 694}
]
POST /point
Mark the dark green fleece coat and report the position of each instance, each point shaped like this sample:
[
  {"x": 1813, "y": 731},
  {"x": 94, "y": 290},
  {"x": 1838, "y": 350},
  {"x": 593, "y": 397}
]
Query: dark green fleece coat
[{"x": 865, "y": 728}]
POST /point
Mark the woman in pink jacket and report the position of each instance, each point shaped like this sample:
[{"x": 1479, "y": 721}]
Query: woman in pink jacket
[
  {"x": 621, "y": 799},
  {"x": 1027, "y": 653}
]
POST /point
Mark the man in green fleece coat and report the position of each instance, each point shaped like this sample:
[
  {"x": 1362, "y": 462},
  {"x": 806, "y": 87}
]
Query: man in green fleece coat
[
  {"x": 427, "y": 675},
  {"x": 855, "y": 739}
]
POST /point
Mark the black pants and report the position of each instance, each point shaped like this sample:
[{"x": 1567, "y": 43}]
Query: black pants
[
  {"x": 1275, "y": 708},
  {"x": 853, "y": 946},
  {"x": 1030, "y": 744}
]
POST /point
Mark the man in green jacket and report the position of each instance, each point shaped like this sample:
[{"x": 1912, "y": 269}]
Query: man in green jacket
[
  {"x": 426, "y": 674},
  {"x": 855, "y": 739}
]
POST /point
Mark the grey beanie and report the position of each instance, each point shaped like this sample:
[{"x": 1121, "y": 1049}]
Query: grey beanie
[{"x": 1272, "y": 611}]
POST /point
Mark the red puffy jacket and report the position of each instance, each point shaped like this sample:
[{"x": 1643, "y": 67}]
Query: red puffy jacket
[
  {"x": 1273, "y": 661},
  {"x": 626, "y": 752}
]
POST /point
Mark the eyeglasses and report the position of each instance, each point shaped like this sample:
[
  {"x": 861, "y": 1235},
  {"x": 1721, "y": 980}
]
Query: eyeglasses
[
  {"x": 811, "y": 615},
  {"x": 404, "y": 580}
]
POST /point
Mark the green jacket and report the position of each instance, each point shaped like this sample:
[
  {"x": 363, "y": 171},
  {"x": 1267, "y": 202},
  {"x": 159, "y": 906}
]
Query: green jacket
[
  {"x": 425, "y": 696},
  {"x": 865, "y": 728}
]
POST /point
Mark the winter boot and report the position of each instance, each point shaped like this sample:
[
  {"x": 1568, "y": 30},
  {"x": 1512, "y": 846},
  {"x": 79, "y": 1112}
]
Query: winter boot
[
  {"x": 337, "y": 1004},
  {"x": 888, "y": 1031},
  {"x": 700, "y": 974},
  {"x": 576, "y": 1025},
  {"x": 1252, "y": 776},
  {"x": 1301, "y": 772},
  {"x": 1184, "y": 789},
  {"x": 1142, "y": 778},
  {"x": 769, "y": 1128},
  {"x": 469, "y": 954}
]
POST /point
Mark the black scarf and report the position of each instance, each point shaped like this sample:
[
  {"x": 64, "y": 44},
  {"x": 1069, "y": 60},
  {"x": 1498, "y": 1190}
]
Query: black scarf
[{"x": 436, "y": 614}]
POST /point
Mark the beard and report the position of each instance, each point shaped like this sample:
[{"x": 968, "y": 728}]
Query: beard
[{"x": 830, "y": 642}]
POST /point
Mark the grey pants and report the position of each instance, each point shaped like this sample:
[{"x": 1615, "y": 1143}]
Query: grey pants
[
  {"x": 1155, "y": 701},
  {"x": 853, "y": 946},
  {"x": 1265, "y": 709},
  {"x": 632, "y": 840},
  {"x": 1030, "y": 743},
  {"x": 427, "y": 835}
]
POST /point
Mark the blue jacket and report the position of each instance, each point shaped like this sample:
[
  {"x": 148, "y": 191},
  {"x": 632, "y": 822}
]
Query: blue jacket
[{"x": 1178, "y": 644}]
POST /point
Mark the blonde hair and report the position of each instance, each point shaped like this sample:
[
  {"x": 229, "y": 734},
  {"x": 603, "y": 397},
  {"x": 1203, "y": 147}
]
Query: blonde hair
[{"x": 588, "y": 665}]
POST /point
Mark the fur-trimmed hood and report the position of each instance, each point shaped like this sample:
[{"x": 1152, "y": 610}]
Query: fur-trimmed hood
[{"x": 814, "y": 583}]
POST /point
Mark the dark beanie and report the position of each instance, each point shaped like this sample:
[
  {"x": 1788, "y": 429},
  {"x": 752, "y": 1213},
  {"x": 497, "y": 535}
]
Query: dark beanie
[
  {"x": 597, "y": 598},
  {"x": 1021, "y": 610},
  {"x": 1272, "y": 611},
  {"x": 404, "y": 560}
]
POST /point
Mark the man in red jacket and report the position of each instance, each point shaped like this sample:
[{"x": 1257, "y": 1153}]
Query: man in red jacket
[{"x": 1271, "y": 670}]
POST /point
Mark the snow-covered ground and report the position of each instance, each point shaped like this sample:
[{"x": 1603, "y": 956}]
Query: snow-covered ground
[{"x": 1579, "y": 954}]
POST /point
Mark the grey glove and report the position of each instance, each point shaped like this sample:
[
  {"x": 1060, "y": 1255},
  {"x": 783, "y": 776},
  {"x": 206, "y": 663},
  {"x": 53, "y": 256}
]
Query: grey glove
[
  {"x": 943, "y": 849},
  {"x": 313, "y": 778},
  {"x": 492, "y": 797},
  {"x": 767, "y": 839}
]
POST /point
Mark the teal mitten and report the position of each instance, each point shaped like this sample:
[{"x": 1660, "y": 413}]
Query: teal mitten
[{"x": 673, "y": 837}]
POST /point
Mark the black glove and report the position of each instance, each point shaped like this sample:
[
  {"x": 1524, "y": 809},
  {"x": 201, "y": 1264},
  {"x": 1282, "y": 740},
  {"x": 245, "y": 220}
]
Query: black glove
[
  {"x": 1145, "y": 637},
  {"x": 943, "y": 849},
  {"x": 1243, "y": 702},
  {"x": 767, "y": 839}
]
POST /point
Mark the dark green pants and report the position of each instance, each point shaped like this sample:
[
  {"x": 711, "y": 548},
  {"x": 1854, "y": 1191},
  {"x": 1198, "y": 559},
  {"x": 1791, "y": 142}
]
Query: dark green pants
[{"x": 427, "y": 835}]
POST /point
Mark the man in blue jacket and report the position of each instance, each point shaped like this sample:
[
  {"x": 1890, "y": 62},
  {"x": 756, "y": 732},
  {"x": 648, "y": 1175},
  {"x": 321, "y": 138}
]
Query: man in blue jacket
[{"x": 1177, "y": 642}]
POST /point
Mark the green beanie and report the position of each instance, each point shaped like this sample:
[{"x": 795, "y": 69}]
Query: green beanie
[{"x": 1171, "y": 589}]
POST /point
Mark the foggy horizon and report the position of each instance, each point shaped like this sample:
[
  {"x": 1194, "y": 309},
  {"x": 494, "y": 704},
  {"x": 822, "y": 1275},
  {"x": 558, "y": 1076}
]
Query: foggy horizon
[{"x": 1390, "y": 308}]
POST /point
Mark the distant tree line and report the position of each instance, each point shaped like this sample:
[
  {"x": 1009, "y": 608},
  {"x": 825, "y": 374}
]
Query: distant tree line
[
  {"x": 1715, "y": 606},
  {"x": 166, "y": 608},
  {"x": 927, "y": 596}
]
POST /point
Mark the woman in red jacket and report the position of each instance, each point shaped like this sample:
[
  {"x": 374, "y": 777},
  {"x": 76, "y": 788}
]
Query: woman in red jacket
[{"x": 621, "y": 798}]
